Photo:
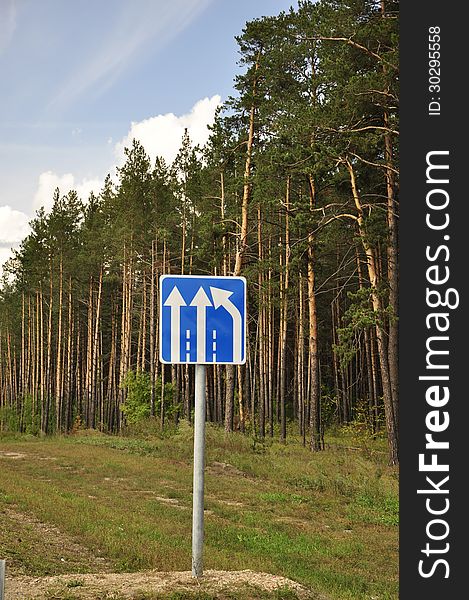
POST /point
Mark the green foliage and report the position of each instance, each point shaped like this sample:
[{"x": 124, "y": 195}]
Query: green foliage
[
  {"x": 329, "y": 407},
  {"x": 137, "y": 403},
  {"x": 365, "y": 426},
  {"x": 9, "y": 420},
  {"x": 358, "y": 317},
  {"x": 31, "y": 421}
]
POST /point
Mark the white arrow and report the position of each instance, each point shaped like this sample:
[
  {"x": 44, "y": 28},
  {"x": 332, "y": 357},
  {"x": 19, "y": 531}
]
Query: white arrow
[
  {"x": 201, "y": 301},
  {"x": 222, "y": 298},
  {"x": 175, "y": 301}
]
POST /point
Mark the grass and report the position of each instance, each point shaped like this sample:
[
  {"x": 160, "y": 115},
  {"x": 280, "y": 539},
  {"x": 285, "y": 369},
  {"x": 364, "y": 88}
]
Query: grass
[{"x": 327, "y": 520}]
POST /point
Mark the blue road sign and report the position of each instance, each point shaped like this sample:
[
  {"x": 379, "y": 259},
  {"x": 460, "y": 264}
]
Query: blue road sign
[{"x": 202, "y": 319}]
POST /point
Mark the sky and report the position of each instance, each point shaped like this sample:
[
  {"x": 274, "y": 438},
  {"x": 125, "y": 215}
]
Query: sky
[{"x": 79, "y": 80}]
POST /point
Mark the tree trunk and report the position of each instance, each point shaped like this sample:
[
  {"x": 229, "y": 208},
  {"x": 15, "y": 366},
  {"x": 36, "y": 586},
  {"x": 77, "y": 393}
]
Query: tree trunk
[
  {"x": 393, "y": 273},
  {"x": 89, "y": 420},
  {"x": 68, "y": 369},
  {"x": 152, "y": 330},
  {"x": 49, "y": 336},
  {"x": 44, "y": 397},
  {"x": 391, "y": 428},
  {"x": 58, "y": 368},
  {"x": 300, "y": 362},
  {"x": 242, "y": 247},
  {"x": 284, "y": 316},
  {"x": 313, "y": 366},
  {"x": 94, "y": 366}
]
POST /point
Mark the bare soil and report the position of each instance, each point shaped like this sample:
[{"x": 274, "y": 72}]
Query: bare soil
[{"x": 107, "y": 586}]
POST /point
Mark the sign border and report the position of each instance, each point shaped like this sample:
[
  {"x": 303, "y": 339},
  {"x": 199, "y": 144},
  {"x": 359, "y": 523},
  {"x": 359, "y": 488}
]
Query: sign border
[{"x": 160, "y": 328}]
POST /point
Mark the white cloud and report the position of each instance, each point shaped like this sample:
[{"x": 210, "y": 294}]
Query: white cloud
[
  {"x": 13, "y": 226},
  {"x": 162, "y": 135},
  {"x": 49, "y": 180},
  {"x": 86, "y": 186},
  {"x": 5, "y": 254}
]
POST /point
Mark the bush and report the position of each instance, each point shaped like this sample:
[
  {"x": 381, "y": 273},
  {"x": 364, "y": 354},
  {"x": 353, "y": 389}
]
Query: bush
[
  {"x": 31, "y": 423},
  {"x": 137, "y": 405},
  {"x": 9, "y": 420},
  {"x": 138, "y": 400}
]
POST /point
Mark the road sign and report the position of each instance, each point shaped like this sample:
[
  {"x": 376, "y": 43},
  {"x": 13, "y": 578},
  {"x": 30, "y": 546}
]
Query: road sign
[{"x": 202, "y": 319}]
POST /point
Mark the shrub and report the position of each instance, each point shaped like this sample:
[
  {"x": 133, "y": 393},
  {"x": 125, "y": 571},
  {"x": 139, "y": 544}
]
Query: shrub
[
  {"x": 138, "y": 400},
  {"x": 137, "y": 405}
]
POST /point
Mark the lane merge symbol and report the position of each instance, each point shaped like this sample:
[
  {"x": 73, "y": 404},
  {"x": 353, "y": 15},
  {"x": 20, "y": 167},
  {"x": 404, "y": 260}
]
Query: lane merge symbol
[{"x": 202, "y": 319}]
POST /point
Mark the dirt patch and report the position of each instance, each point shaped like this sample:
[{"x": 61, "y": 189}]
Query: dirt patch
[
  {"x": 170, "y": 501},
  {"x": 163, "y": 499},
  {"x": 30, "y": 545},
  {"x": 230, "y": 502},
  {"x": 221, "y": 468},
  {"x": 107, "y": 586},
  {"x": 12, "y": 455}
]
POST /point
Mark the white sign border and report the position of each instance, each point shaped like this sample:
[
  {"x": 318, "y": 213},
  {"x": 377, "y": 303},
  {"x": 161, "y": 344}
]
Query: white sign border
[{"x": 160, "y": 332}]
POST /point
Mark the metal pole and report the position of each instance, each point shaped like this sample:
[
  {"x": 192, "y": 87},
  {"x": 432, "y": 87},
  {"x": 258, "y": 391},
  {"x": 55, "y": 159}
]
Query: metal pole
[
  {"x": 2, "y": 578},
  {"x": 198, "y": 487}
]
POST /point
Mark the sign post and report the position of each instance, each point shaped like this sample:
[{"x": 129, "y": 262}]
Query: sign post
[
  {"x": 2, "y": 578},
  {"x": 198, "y": 486},
  {"x": 202, "y": 322}
]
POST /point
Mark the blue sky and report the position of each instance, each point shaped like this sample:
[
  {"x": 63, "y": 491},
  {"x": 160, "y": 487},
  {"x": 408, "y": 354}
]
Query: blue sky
[{"x": 80, "y": 78}]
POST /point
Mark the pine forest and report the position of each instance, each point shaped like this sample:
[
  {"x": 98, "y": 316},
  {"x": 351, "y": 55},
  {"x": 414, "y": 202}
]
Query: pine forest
[{"x": 296, "y": 190}]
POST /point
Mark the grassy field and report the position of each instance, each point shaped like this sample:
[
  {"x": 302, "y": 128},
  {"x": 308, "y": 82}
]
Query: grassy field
[{"x": 326, "y": 520}]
